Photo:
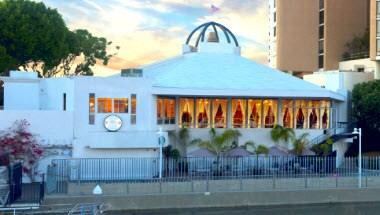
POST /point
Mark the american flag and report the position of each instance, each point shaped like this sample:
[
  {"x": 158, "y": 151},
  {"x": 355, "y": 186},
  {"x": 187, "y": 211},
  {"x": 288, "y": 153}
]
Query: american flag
[{"x": 214, "y": 9}]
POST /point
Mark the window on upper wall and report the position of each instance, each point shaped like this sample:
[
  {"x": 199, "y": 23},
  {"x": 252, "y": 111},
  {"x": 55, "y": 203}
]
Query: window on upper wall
[
  {"x": 91, "y": 109},
  {"x": 219, "y": 113},
  {"x": 378, "y": 47},
  {"x": 274, "y": 16},
  {"x": 270, "y": 113},
  {"x": 64, "y": 102},
  {"x": 254, "y": 113},
  {"x": 104, "y": 105},
  {"x": 186, "y": 106},
  {"x": 378, "y": 8},
  {"x": 287, "y": 113},
  {"x": 120, "y": 105},
  {"x": 133, "y": 109},
  {"x": 203, "y": 113},
  {"x": 274, "y": 31},
  {"x": 166, "y": 110},
  {"x": 378, "y": 28},
  {"x": 238, "y": 113}
]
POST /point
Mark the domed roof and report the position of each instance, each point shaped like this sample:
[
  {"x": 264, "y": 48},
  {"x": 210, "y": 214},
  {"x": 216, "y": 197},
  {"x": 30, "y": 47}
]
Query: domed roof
[
  {"x": 217, "y": 31},
  {"x": 225, "y": 73}
]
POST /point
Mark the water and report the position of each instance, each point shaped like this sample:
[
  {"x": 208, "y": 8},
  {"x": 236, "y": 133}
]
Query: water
[{"x": 321, "y": 209}]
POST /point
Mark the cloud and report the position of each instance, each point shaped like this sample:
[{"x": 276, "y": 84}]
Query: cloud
[{"x": 151, "y": 30}]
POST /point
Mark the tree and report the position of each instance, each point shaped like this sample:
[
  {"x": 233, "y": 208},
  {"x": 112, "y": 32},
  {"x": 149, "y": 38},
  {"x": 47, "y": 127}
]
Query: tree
[
  {"x": 366, "y": 112},
  {"x": 300, "y": 143},
  {"x": 21, "y": 145},
  {"x": 34, "y": 37},
  {"x": 280, "y": 133},
  {"x": 219, "y": 143},
  {"x": 358, "y": 47}
]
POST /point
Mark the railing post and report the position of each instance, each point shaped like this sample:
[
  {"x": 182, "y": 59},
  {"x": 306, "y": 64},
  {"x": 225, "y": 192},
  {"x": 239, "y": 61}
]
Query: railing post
[{"x": 274, "y": 181}]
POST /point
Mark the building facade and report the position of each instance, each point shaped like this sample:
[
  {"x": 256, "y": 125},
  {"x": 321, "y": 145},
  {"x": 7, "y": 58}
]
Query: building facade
[
  {"x": 209, "y": 85},
  {"x": 309, "y": 35}
]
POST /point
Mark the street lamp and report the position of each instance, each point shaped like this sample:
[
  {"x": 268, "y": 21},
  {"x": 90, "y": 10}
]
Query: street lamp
[{"x": 358, "y": 132}]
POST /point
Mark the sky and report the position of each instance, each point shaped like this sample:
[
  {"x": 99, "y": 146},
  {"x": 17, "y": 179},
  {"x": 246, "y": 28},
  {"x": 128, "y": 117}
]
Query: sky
[{"x": 152, "y": 30}]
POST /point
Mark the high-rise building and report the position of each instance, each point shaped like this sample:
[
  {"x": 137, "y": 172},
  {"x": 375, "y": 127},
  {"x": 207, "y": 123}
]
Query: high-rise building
[
  {"x": 375, "y": 35},
  {"x": 311, "y": 35}
]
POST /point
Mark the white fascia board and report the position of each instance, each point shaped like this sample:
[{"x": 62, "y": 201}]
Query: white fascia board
[
  {"x": 250, "y": 93},
  {"x": 19, "y": 80}
]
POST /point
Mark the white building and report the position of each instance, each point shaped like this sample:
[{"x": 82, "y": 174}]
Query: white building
[{"x": 208, "y": 86}]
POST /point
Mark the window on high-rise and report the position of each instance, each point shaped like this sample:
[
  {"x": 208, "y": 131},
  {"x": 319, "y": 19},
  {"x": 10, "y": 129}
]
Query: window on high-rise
[
  {"x": 320, "y": 61},
  {"x": 274, "y": 16},
  {"x": 378, "y": 47},
  {"x": 321, "y": 32},
  {"x": 377, "y": 28},
  {"x": 321, "y": 17},
  {"x": 321, "y": 4},
  {"x": 274, "y": 31},
  {"x": 378, "y": 8},
  {"x": 320, "y": 46}
]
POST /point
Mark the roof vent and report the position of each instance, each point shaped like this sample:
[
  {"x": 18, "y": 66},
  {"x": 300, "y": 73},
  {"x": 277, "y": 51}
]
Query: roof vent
[
  {"x": 211, "y": 38},
  {"x": 131, "y": 72}
]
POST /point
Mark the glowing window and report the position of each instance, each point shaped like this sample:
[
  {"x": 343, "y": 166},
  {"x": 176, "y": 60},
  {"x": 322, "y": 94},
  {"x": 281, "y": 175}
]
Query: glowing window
[
  {"x": 219, "y": 113},
  {"x": 238, "y": 113},
  {"x": 203, "y": 113},
  {"x": 287, "y": 113},
  {"x": 270, "y": 113},
  {"x": 254, "y": 113},
  {"x": 300, "y": 114},
  {"x": 186, "y": 112},
  {"x": 169, "y": 111},
  {"x": 325, "y": 114},
  {"x": 133, "y": 109},
  {"x": 120, "y": 105},
  {"x": 91, "y": 108},
  {"x": 313, "y": 114},
  {"x": 104, "y": 105}
]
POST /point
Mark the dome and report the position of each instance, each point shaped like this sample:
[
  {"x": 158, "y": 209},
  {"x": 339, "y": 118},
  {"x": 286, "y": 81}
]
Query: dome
[{"x": 215, "y": 32}]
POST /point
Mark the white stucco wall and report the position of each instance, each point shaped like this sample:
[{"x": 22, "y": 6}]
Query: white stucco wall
[
  {"x": 21, "y": 95},
  {"x": 51, "y": 94}
]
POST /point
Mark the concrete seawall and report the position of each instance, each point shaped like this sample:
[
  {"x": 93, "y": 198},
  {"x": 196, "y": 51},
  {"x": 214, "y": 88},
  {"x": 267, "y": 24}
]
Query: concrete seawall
[{"x": 222, "y": 199}]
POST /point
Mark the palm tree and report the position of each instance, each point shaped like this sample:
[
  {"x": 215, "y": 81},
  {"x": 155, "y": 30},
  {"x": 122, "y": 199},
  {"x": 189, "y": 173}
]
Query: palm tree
[
  {"x": 280, "y": 133},
  {"x": 221, "y": 143},
  {"x": 300, "y": 143}
]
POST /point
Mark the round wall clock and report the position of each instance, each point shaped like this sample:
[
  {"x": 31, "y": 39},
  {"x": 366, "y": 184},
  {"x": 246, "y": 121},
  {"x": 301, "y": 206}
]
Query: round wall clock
[{"x": 113, "y": 123}]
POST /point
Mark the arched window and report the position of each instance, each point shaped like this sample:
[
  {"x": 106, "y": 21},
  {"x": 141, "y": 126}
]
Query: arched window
[
  {"x": 287, "y": 113},
  {"x": 186, "y": 112},
  {"x": 219, "y": 113},
  {"x": 203, "y": 113},
  {"x": 270, "y": 113},
  {"x": 254, "y": 113},
  {"x": 238, "y": 113}
]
